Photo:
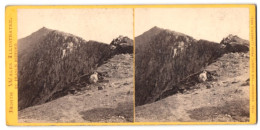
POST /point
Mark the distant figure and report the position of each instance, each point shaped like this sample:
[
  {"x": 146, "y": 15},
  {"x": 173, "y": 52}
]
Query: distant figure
[
  {"x": 93, "y": 78},
  {"x": 203, "y": 76}
]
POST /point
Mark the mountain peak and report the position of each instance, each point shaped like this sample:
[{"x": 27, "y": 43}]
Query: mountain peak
[
  {"x": 57, "y": 51},
  {"x": 44, "y": 29},
  {"x": 155, "y": 28},
  {"x": 47, "y": 30},
  {"x": 40, "y": 32}
]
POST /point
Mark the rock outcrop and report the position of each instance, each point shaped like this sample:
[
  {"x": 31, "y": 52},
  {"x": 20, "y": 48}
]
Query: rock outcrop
[
  {"x": 233, "y": 43},
  {"x": 122, "y": 44}
]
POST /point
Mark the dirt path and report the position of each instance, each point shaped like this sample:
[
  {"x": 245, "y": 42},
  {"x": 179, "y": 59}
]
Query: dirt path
[
  {"x": 226, "y": 99},
  {"x": 112, "y": 103}
]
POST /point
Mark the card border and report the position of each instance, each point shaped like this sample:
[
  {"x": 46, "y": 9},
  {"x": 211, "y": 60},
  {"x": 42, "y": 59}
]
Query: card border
[{"x": 11, "y": 61}]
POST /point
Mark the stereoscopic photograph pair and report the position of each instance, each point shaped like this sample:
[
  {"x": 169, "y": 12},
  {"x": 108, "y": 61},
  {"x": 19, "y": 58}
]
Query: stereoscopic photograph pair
[{"x": 175, "y": 64}]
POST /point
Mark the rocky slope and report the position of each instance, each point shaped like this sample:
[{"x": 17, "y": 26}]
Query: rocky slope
[
  {"x": 109, "y": 100},
  {"x": 222, "y": 99},
  {"x": 169, "y": 58},
  {"x": 54, "y": 63}
]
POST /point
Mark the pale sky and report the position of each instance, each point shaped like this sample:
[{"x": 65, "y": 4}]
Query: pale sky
[
  {"x": 91, "y": 24},
  {"x": 105, "y": 24},
  {"x": 201, "y": 23}
]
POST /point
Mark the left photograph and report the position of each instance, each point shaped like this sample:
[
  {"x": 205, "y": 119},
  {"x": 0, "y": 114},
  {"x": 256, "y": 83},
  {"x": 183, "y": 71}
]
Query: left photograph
[{"x": 75, "y": 65}]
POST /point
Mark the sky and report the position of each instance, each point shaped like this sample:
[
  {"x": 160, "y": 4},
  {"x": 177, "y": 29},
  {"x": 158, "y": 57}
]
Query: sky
[
  {"x": 211, "y": 24},
  {"x": 101, "y": 25}
]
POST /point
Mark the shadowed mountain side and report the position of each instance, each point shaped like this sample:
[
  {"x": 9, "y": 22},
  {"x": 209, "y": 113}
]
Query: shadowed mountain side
[
  {"x": 55, "y": 62},
  {"x": 108, "y": 100},
  {"x": 168, "y": 58},
  {"x": 26, "y": 45},
  {"x": 225, "y": 97}
]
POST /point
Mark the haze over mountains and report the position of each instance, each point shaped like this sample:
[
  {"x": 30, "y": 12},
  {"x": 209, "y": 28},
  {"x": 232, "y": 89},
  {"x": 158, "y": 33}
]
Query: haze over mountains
[{"x": 51, "y": 63}]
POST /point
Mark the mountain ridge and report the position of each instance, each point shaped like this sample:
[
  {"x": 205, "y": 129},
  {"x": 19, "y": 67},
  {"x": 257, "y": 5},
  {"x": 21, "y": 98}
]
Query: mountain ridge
[
  {"x": 53, "y": 64},
  {"x": 165, "y": 57}
]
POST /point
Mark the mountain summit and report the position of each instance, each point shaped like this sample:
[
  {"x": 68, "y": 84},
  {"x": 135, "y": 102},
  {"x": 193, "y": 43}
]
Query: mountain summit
[
  {"x": 164, "y": 58},
  {"x": 51, "y": 63}
]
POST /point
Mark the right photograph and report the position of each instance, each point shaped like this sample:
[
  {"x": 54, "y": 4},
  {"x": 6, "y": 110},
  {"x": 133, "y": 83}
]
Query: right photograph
[{"x": 192, "y": 65}]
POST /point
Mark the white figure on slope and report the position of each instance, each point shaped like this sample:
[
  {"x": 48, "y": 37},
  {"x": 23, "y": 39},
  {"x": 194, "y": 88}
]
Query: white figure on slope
[
  {"x": 203, "y": 76},
  {"x": 93, "y": 78}
]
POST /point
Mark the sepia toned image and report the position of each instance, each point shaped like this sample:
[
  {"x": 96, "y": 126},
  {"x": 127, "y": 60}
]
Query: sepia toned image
[
  {"x": 192, "y": 65},
  {"x": 75, "y": 65}
]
